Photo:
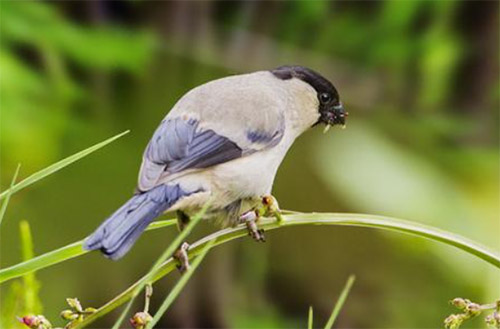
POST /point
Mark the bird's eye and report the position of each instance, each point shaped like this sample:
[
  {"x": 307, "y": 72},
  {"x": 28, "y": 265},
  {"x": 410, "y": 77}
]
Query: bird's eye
[{"x": 325, "y": 98}]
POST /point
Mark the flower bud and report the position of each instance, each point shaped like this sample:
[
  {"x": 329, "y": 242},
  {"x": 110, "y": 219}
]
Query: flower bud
[
  {"x": 140, "y": 320},
  {"x": 473, "y": 309},
  {"x": 28, "y": 320},
  {"x": 490, "y": 321},
  {"x": 75, "y": 304},
  {"x": 459, "y": 303},
  {"x": 36, "y": 322},
  {"x": 493, "y": 320},
  {"x": 453, "y": 321},
  {"x": 68, "y": 315},
  {"x": 90, "y": 310}
]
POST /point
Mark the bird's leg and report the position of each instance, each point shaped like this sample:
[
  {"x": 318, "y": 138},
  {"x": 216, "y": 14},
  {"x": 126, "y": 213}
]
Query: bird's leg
[
  {"x": 270, "y": 207},
  {"x": 181, "y": 253},
  {"x": 182, "y": 257},
  {"x": 250, "y": 218}
]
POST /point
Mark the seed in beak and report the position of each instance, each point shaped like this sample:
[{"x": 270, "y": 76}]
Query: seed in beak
[{"x": 327, "y": 127}]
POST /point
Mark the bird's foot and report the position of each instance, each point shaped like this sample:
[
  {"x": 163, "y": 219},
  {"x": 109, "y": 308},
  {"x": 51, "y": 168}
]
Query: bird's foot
[
  {"x": 250, "y": 218},
  {"x": 270, "y": 207},
  {"x": 182, "y": 257}
]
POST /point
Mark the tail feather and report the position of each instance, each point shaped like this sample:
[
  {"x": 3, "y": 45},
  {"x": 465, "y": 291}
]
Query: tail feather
[{"x": 118, "y": 233}]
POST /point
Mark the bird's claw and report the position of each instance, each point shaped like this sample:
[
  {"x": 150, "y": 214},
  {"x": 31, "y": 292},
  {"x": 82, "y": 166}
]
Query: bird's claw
[
  {"x": 250, "y": 219},
  {"x": 182, "y": 257},
  {"x": 255, "y": 233},
  {"x": 271, "y": 208}
]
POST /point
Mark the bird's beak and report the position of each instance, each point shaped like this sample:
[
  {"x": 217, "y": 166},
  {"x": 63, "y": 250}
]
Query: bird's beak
[{"x": 334, "y": 115}]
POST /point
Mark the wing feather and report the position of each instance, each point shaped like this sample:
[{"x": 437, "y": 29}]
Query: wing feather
[
  {"x": 179, "y": 145},
  {"x": 200, "y": 132}
]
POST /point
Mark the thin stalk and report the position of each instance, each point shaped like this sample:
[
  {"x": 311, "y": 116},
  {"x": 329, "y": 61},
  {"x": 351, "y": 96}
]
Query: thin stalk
[
  {"x": 340, "y": 302},
  {"x": 179, "y": 285},
  {"x": 8, "y": 194},
  {"x": 147, "y": 296},
  {"x": 386, "y": 223}
]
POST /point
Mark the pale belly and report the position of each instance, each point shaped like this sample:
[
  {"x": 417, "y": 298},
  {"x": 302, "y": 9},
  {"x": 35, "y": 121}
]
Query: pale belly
[{"x": 246, "y": 178}]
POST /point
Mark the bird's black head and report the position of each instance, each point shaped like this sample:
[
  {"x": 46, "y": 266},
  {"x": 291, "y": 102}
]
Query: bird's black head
[{"x": 330, "y": 107}]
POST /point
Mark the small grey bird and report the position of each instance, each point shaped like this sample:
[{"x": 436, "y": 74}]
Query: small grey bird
[{"x": 222, "y": 141}]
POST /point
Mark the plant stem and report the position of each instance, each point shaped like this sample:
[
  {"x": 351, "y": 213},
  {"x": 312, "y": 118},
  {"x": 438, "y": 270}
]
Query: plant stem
[
  {"x": 292, "y": 218},
  {"x": 8, "y": 194},
  {"x": 484, "y": 253},
  {"x": 75, "y": 249},
  {"x": 340, "y": 302},
  {"x": 179, "y": 285},
  {"x": 229, "y": 234},
  {"x": 147, "y": 296}
]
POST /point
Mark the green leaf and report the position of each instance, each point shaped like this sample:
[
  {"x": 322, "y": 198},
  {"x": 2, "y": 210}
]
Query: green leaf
[
  {"x": 179, "y": 285},
  {"x": 340, "y": 302},
  {"x": 7, "y": 196},
  {"x": 58, "y": 166}
]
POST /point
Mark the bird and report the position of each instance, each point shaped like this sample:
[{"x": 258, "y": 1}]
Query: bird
[{"x": 222, "y": 141}]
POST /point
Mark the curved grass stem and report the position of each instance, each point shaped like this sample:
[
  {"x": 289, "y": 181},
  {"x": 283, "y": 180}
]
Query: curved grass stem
[{"x": 360, "y": 220}]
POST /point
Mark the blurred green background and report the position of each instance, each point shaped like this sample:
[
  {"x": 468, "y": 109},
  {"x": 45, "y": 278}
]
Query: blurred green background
[{"x": 420, "y": 80}]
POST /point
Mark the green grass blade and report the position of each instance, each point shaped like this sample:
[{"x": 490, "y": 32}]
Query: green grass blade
[
  {"x": 310, "y": 318},
  {"x": 164, "y": 256},
  {"x": 179, "y": 286},
  {"x": 58, "y": 166},
  {"x": 8, "y": 194},
  {"x": 32, "y": 303},
  {"x": 122, "y": 315},
  {"x": 60, "y": 255},
  {"x": 340, "y": 302},
  {"x": 401, "y": 226}
]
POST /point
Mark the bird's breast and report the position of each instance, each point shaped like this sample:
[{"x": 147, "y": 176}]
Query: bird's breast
[{"x": 251, "y": 175}]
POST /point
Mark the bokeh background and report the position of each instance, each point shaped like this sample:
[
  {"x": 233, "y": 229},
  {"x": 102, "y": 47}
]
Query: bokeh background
[{"x": 420, "y": 80}]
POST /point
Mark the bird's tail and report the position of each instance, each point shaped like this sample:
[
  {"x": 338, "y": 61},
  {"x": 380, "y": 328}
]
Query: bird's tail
[{"x": 118, "y": 233}]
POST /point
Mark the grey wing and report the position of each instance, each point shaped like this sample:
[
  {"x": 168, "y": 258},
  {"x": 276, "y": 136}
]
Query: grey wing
[{"x": 180, "y": 144}]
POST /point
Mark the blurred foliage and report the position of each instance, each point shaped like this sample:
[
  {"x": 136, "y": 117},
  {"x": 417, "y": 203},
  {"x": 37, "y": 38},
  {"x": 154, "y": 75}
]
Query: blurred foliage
[
  {"x": 38, "y": 49},
  {"x": 419, "y": 78}
]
